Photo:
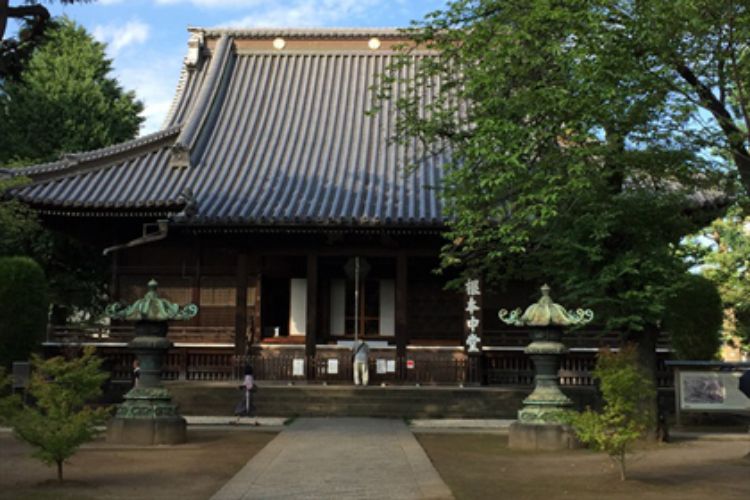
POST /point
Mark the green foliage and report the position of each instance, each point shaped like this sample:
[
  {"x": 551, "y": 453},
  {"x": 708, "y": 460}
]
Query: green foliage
[
  {"x": 627, "y": 391},
  {"x": 24, "y": 307},
  {"x": 722, "y": 250},
  {"x": 64, "y": 101},
  {"x": 9, "y": 403},
  {"x": 61, "y": 420},
  {"x": 33, "y": 19},
  {"x": 572, "y": 161},
  {"x": 77, "y": 275},
  {"x": 19, "y": 226},
  {"x": 694, "y": 317}
]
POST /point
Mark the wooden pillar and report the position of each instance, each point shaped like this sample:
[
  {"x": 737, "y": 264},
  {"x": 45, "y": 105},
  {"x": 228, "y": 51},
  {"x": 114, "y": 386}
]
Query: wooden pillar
[
  {"x": 114, "y": 284},
  {"x": 252, "y": 327},
  {"x": 402, "y": 334},
  {"x": 240, "y": 307},
  {"x": 311, "y": 323},
  {"x": 196, "y": 291},
  {"x": 183, "y": 356}
]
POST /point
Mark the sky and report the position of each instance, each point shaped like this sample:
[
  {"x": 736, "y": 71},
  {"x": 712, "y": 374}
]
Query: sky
[{"x": 147, "y": 39}]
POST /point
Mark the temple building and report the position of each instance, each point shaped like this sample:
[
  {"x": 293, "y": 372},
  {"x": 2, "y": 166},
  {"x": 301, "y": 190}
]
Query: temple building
[{"x": 267, "y": 185}]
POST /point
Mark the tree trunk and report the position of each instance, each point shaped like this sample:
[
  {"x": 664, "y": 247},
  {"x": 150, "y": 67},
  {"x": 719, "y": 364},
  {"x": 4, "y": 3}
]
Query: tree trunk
[
  {"x": 735, "y": 136},
  {"x": 38, "y": 11},
  {"x": 3, "y": 17},
  {"x": 621, "y": 463},
  {"x": 646, "y": 347},
  {"x": 59, "y": 470},
  {"x": 645, "y": 342},
  {"x": 59, "y": 315}
]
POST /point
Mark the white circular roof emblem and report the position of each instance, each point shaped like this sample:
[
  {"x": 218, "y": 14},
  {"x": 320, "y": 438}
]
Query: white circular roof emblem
[
  {"x": 374, "y": 43},
  {"x": 279, "y": 43}
]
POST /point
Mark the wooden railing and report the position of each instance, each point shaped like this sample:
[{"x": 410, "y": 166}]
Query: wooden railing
[
  {"x": 582, "y": 338},
  {"x": 448, "y": 371},
  {"x": 510, "y": 367},
  {"x": 515, "y": 368},
  {"x": 101, "y": 334}
]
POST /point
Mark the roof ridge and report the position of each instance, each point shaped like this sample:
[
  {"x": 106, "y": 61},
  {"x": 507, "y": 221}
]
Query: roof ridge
[
  {"x": 178, "y": 94},
  {"x": 70, "y": 160},
  {"x": 204, "y": 101},
  {"x": 300, "y": 32}
]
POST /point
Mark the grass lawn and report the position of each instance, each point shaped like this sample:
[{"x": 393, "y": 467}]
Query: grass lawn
[
  {"x": 480, "y": 466},
  {"x": 194, "y": 470}
]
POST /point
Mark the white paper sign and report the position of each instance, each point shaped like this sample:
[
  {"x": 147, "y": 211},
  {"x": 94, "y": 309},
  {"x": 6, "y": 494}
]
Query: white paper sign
[
  {"x": 390, "y": 366},
  {"x": 380, "y": 364},
  {"x": 333, "y": 366},
  {"x": 298, "y": 367},
  {"x": 711, "y": 391}
]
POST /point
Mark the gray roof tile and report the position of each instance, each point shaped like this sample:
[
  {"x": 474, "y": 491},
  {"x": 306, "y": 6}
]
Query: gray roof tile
[{"x": 272, "y": 138}]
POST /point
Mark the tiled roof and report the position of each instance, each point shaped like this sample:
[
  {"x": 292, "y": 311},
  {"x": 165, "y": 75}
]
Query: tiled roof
[
  {"x": 262, "y": 137},
  {"x": 302, "y": 32}
]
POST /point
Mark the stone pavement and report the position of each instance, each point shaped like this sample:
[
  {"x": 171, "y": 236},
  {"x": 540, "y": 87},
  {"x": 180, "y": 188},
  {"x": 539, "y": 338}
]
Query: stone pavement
[{"x": 362, "y": 458}]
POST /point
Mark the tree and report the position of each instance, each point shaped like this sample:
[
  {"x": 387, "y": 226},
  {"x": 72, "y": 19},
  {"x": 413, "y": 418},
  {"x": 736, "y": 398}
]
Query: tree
[
  {"x": 24, "y": 308},
  {"x": 61, "y": 419},
  {"x": 76, "y": 273},
  {"x": 9, "y": 402},
  {"x": 64, "y": 101},
  {"x": 626, "y": 390},
  {"x": 698, "y": 50},
  {"x": 724, "y": 261},
  {"x": 569, "y": 163},
  {"x": 14, "y": 51},
  {"x": 19, "y": 227},
  {"x": 691, "y": 55},
  {"x": 694, "y": 317}
]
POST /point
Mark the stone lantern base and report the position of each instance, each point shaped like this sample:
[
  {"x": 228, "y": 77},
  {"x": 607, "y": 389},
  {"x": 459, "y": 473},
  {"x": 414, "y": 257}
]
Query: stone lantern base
[
  {"x": 147, "y": 431},
  {"x": 147, "y": 417},
  {"x": 541, "y": 437}
]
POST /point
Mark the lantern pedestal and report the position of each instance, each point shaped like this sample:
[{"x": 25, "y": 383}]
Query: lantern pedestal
[
  {"x": 148, "y": 416},
  {"x": 540, "y": 421}
]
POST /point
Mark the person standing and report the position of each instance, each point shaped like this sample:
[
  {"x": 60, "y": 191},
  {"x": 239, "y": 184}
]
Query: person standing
[
  {"x": 245, "y": 407},
  {"x": 136, "y": 373},
  {"x": 361, "y": 355}
]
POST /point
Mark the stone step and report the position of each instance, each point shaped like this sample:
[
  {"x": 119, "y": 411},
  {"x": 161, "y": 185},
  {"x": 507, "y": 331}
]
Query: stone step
[{"x": 404, "y": 402}]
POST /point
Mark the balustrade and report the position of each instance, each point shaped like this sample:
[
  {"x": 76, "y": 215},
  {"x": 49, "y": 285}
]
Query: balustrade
[{"x": 512, "y": 368}]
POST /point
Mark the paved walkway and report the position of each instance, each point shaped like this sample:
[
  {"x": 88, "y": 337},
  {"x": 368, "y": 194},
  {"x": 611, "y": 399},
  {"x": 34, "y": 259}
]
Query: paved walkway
[{"x": 362, "y": 458}]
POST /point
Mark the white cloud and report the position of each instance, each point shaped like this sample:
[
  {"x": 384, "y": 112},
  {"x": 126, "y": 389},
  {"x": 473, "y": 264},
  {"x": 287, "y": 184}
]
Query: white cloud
[
  {"x": 119, "y": 37},
  {"x": 300, "y": 13},
  {"x": 214, "y": 4},
  {"x": 109, "y": 2},
  {"x": 154, "y": 77}
]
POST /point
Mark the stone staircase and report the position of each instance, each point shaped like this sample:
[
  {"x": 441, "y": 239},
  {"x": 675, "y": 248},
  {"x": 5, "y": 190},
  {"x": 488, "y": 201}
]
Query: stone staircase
[{"x": 206, "y": 398}]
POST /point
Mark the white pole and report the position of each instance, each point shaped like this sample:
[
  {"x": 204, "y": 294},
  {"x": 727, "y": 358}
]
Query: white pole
[{"x": 356, "y": 299}]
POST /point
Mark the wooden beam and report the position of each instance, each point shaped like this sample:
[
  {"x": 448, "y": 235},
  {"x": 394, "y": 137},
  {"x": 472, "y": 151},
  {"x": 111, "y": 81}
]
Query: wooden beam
[
  {"x": 402, "y": 334},
  {"x": 311, "y": 324},
  {"x": 240, "y": 308}
]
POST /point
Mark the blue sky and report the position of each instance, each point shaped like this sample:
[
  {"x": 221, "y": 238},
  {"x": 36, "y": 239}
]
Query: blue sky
[{"x": 147, "y": 39}]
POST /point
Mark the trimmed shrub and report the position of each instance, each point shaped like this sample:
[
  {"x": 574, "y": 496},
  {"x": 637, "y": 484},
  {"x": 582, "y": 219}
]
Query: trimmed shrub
[
  {"x": 693, "y": 317},
  {"x": 24, "y": 306}
]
